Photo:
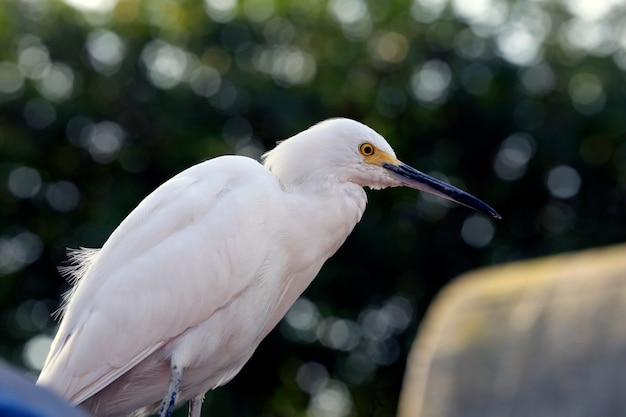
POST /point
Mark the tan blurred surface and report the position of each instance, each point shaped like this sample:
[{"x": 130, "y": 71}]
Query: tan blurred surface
[{"x": 544, "y": 337}]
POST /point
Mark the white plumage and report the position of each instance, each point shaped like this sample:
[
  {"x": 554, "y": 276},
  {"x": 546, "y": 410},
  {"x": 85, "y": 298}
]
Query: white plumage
[{"x": 205, "y": 266}]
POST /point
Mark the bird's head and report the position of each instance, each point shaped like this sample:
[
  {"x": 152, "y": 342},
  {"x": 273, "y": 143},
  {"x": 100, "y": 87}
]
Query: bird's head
[{"x": 346, "y": 151}]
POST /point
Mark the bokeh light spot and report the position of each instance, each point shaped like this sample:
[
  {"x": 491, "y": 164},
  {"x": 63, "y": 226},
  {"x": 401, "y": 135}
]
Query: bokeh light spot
[
  {"x": 538, "y": 79},
  {"x": 587, "y": 93},
  {"x": 63, "y": 196},
  {"x": 591, "y": 37},
  {"x": 389, "y": 48},
  {"x": 286, "y": 64},
  {"x": 357, "y": 368},
  {"x": 166, "y": 64},
  {"x": 400, "y": 312},
  {"x": 519, "y": 45},
  {"x": 353, "y": 16},
  {"x": 514, "y": 154},
  {"x": 103, "y": 141},
  {"x": 226, "y": 97},
  {"x": 382, "y": 353},
  {"x": 301, "y": 321},
  {"x": 106, "y": 51},
  {"x": 311, "y": 377},
  {"x": 33, "y": 58},
  {"x": 477, "y": 231},
  {"x": 334, "y": 400},
  {"x": 36, "y": 350},
  {"x": 205, "y": 81},
  {"x": 24, "y": 182},
  {"x": 591, "y": 9},
  {"x": 18, "y": 251},
  {"x": 32, "y": 315},
  {"x": 427, "y": 11},
  {"x": 258, "y": 10},
  {"x": 221, "y": 10},
  {"x": 375, "y": 324},
  {"x": 563, "y": 181},
  {"x": 11, "y": 80},
  {"x": 481, "y": 14},
  {"x": 57, "y": 83},
  {"x": 348, "y": 11},
  {"x": 469, "y": 45},
  {"x": 430, "y": 82},
  {"x": 339, "y": 334},
  {"x": 34, "y": 9},
  {"x": 92, "y": 6}
]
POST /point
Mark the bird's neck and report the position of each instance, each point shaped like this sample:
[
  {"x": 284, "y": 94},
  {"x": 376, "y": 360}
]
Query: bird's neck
[
  {"x": 313, "y": 226},
  {"x": 334, "y": 209}
]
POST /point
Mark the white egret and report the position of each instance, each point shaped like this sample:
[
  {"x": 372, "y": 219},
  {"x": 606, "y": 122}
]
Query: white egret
[{"x": 188, "y": 285}]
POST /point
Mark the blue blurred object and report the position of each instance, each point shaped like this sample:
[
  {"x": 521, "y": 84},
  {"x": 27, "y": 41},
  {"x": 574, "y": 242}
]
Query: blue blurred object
[{"x": 20, "y": 397}]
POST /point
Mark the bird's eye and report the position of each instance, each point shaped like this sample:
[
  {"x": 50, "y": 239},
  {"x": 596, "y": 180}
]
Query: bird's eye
[{"x": 367, "y": 149}]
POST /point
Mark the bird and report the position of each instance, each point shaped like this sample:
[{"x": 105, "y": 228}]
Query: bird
[{"x": 188, "y": 285}]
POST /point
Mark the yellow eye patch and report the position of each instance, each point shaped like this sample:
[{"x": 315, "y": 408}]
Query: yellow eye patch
[{"x": 375, "y": 156}]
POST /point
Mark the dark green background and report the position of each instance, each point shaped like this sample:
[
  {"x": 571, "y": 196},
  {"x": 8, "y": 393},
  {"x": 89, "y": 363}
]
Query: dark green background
[{"x": 550, "y": 73}]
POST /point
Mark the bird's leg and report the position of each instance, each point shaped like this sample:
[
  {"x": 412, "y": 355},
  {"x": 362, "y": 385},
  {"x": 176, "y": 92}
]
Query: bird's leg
[
  {"x": 167, "y": 406},
  {"x": 195, "y": 405}
]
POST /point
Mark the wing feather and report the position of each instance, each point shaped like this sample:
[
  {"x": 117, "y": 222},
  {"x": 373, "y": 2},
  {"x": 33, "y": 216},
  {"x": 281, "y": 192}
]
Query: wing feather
[{"x": 173, "y": 262}]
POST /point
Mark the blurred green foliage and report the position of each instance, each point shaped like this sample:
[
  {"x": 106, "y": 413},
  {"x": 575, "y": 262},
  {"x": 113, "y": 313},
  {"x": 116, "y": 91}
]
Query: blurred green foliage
[{"x": 521, "y": 103}]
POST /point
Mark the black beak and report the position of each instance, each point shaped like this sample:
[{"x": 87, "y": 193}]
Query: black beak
[{"x": 413, "y": 178}]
